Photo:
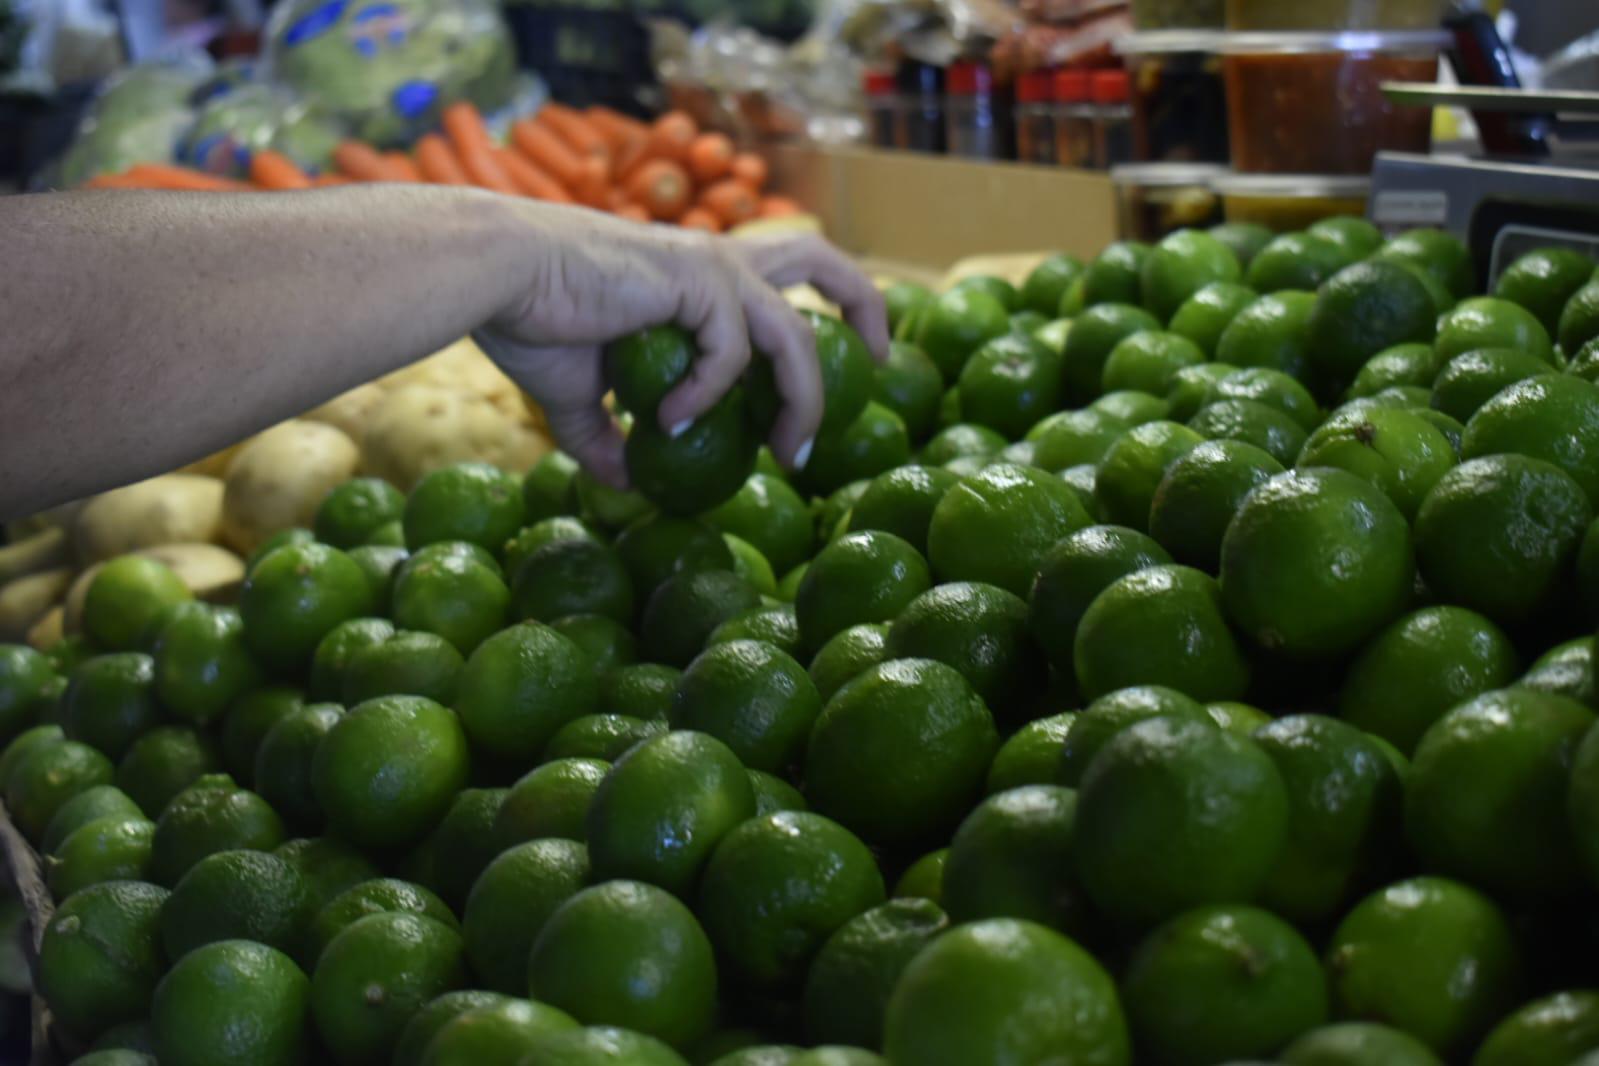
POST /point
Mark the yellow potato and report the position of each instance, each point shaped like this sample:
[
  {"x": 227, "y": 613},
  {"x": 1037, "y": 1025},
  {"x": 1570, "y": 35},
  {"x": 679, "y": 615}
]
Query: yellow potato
[
  {"x": 420, "y": 428},
  {"x": 214, "y": 465},
  {"x": 349, "y": 411},
  {"x": 44, "y": 550},
  {"x": 163, "y": 510},
  {"x": 46, "y": 633},
  {"x": 24, "y": 600},
  {"x": 280, "y": 478}
]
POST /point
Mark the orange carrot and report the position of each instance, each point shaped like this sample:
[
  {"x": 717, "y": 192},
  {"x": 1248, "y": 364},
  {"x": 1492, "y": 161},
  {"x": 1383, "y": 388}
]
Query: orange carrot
[
  {"x": 594, "y": 183},
  {"x": 475, "y": 148},
  {"x": 112, "y": 181},
  {"x": 779, "y": 207},
  {"x": 358, "y": 160},
  {"x": 700, "y": 218},
  {"x": 749, "y": 169},
  {"x": 633, "y": 213},
  {"x": 401, "y": 167},
  {"x": 710, "y": 155},
  {"x": 671, "y": 135},
  {"x": 731, "y": 201},
  {"x": 437, "y": 163},
  {"x": 165, "y": 176},
  {"x": 632, "y": 155},
  {"x": 662, "y": 187},
  {"x": 617, "y": 129},
  {"x": 616, "y": 198},
  {"x": 545, "y": 148},
  {"x": 274, "y": 170},
  {"x": 574, "y": 129},
  {"x": 530, "y": 180},
  {"x": 327, "y": 181}
]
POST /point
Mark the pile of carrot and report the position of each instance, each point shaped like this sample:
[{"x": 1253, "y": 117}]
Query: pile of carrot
[{"x": 664, "y": 171}]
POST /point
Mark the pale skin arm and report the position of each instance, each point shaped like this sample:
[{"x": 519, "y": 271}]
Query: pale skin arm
[{"x": 145, "y": 330}]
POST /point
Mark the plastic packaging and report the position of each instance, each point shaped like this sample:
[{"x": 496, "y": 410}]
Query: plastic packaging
[
  {"x": 1312, "y": 103},
  {"x": 1074, "y": 119},
  {"x": 1287, "y": 202},
  {"x": 139, "y": 116},
  {"x": 1250, "y": 15},
  {"x": 1178, "y": 95},
  {"x": 977, "y": 114},
  {"x": 1153, "y": 199},
  {"x": 884, "y": 114},
  {"x": 1183, "y": 14},
  {"x": 1113, "y": 118},
  {"x": 1035, "y": 118}
]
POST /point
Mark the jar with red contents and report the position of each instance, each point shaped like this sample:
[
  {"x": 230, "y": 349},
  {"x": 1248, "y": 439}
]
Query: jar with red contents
[
  {"x": 884, "y": 124},
  {"x": 978, "y": 113},
  {"x": 1035, "y": 117},
  {"x": 1113, "y": 118},
  {"x": 1074, "y": 119}
]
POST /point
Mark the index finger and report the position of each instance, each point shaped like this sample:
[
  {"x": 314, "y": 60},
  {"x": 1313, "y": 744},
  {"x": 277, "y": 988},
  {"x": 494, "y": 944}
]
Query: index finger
[{"x": 812, "y": 260}]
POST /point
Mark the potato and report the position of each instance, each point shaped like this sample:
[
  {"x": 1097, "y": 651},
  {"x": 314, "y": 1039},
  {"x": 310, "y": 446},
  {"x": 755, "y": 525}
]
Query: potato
[
  {"x": 46, "y": 633},
  {"x": 163, "y": 510},
  {"x": 348, "y": 412},
  {"x": 212, "y": 573},
  {"x": 461, "y": 366},
  {"x": 279, "y": 479},
  {"x": 1013, "y": 268},
  {"x": 420, "y": 428},
  {"x": 25, "y": 600},
  {"x": 44, "y": 550},
  {"x": 214, "y": 465},
  {"x": 72, "y": 604}
]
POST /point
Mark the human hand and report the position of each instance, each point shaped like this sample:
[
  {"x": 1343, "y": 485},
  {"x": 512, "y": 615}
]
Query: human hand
[{"x": 596, "y": 279}]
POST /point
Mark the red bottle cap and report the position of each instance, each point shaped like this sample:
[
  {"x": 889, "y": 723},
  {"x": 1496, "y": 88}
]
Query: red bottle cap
[
  {"x": 1071, "y": 86},
  {"x": 879, "y": 83},
  {"x": 1110, "y": 87},
  {"x": 1035, "y": 87},
  {"x": 969, "y": 79}
]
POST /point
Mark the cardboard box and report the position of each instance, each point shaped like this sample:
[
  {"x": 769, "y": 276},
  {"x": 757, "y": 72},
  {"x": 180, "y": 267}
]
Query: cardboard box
[{"x": 920, "y": 214}]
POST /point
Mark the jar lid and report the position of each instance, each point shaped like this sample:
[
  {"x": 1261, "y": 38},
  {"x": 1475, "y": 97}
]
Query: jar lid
[
  {"x": 1292, "y": 186},
  {"x": 1165, "y": 42},
  {"x": 1166, "y": 174},
  {"x": 1071, "y": 86},
  {"x": 879, "y": 83},
  {"x": 1035, "y": 87},
  {"x": 1333, "y": 41},
  {"x": 1110, "y": 86},
  {"x": 969, "y": 78}
]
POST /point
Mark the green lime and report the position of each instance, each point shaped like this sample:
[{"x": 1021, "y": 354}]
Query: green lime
[
  {"x": 327, "y": 866},
  {"x": 605, "y": 507},
  {"x": 1068, "y": 438},
  {"x": 904, "y": 299},
  {"x": 464, "y": 842},
  {"x": 1031, "y": 755},
  {"x": 1162, "y": 625},
  {"x": 846, "y": 368},
  {"x": 1207, "y": 313},
  {"x": 1428, "y": 956},
  {"x": 1273, "y": 332},
  {"x": 163, "y": 763},
  {"x": 1403, "y": 364},
  {"x": 1545, "y": 1032},
  {"x": 1134, "y": 408},
  {"x": 1395, "y": 450},
  {"x": 547, "y": 489},
  {"x": 751, "y": 565},
  {"x": 681, "y": 615},
  {"x": 1199, "y": 494},
  {"x": 960, "y": 440},
  {"x": 773, "y": 794},
  {"x": 777, "y": 626},
  {"x": 1485, "y": 798},
  {"x": 751, "y": 696},
  {"x": 1489, "y": 322},
  {"x": 381, "y": 895},
  {"x": 388, "y": 535},
  {"x": 1357, "y": 1044},
  {"x": 605, "y": 642},
  {"x": 474, "y": 502},
  {"x": 1554, "y": 417},
  {"x": 1358, "y": 236},
  {"x": 601, "y": 1045},
  {"x": 860, "y": 578},
  {"x": 24, "y": 678},
  {"x": 643, "y": 367},
  {"x": 845, "y": 655},
  {"x": 100, "y": 956},
  {"x": 1362, "y": 310},
  {"x": 1526, "y": 515},
  {"x": 101, "y": 801},
  {"x": 1173, "y": 814},
  {"x": 1542, "y": 280},
  {"x": 982, "y": 631},
  {"x": 211, "y": 815},
  {"x": 519, "y": 687},
  {"x": 996, "y": 526},
  {"x": 387, "y": 770},
  {"x": 851, "y": 978},
  {"x": 1073, "y": 573},
  {"x": 111, "y": 702},
  {"x": 660, "y": 811},
  {"x": 1179, "y": 266},
  {"x": 627, "y": 953},
  {"x": 1113, "y": 275},
  {"x": 718, "y": 448},
  {"x": 1012, "y": 858},
  {"x": 551, "y": 800},
  {"x": 924, "y": 878},
  {"x": 112, "y": 848},
  {"x": 1106, "y": 717},
  {"x": 1468, "y": 381},
  {"x": 232, "y": 1002},
  {"x": 957, "y": 324},
  {"x": 876, "y": 441},
  {"x": 569, "y": 577},
  {"x": 600, "y": 736},
  {"x": 24, "y": 744},
  {"x": 1054, "y": 332},
  {"x": 1314, "y": 562},
  {"x": 1300, "y": 261},
  {"x": 1565, "y": 670},
  {"x": 1047, "y": 283},
  {"x": 1132, "y": 469},
  {"x": 778, "y": 886},
  {"x": 901, "y": 502},
  {"x": 333, "y": 654},
  {"x": 454, "y": 596},
  {"x": 46, "y": 777},
  {"x": 1005, "y": 991},
  {"x": 1221, "y": 984},
  {"x": 350, "y": 513},
  {"x": 125, "y": 599},
  {"x": 66, "y": 654},
  {"x": 284, "y": 760},
  {"x": 1579, "y": 319},
  {"x": 374, "y": 976},
  {"x": 1010, "y": 383},
  {"x": 643, "y": 690},
  {"x": 657, "y": 546},
  {"x": 1267, "y": 428},
  {"x": 510, "y": 903},
  {"x": 1191, "y": 388},
  {"x": 236, "y": 895},
  {"x": 438, "y": 1012},
  {"x": 857, "y": 769},
  {"x": 281, "y": 539},
  {"x": 1147, "y": 362},
  {"x": 406, "y": 664},
  {"x": 1436, "y": 253},
  {"x": 1246, "y": 239},
  {"x": 294, "y": 597},
  {"x": 495, "y": 1032},
  {"x": 1094, "y": 335},
  {"x": 1584, "y": 364},
  {"x": 248, "y": 720},
  {"x": 767, "y": 513},
  {"x": 530, "y": 539}
]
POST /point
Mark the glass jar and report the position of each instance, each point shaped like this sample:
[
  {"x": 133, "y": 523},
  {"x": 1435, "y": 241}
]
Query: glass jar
[
  {"x": 1113, "y": 118},
  {"x": 1332, "y": 14},
  {"x": 977, "y": 116},
  {"x": 885, "y": 127},
  {"x": 1288, "y": 202},
  {"x": 1178, "y": 95},
  {"x": 1153, "y": 199},
  {"x": 1074, "y": 119},
  {"x": 1312, "y": 103},
  {"x": 921, "y": 97},
  {"x": 1035, "y": 117},
  {"x": 1182, "y": 14}
]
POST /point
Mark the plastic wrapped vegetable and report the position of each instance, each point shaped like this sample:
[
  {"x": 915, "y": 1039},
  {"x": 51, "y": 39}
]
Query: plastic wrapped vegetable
[{"x": 140, "y": 116}]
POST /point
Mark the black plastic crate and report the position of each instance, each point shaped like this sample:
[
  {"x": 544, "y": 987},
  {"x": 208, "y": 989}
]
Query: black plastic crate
[{"x": 586, "y": 56}]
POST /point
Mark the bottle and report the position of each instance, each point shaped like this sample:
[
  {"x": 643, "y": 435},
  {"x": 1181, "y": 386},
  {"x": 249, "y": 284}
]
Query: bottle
[
  {"x": 1113, "y": 118},
  {"x": 1035, "y": 117},
  {"x": 976, "y": 113},
  {"x": 883, "y": 110},
  {"x": 921, "y": 94},
  {"x": 1074, "y": 120}
]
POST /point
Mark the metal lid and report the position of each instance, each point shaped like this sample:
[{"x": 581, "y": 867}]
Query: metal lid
[
  {"x": 1165, "y": 42},
  {"x": 1166, "y": 174},
  {"x": 1292, "y": 186},
  {"x": 1301, "y": 43}
]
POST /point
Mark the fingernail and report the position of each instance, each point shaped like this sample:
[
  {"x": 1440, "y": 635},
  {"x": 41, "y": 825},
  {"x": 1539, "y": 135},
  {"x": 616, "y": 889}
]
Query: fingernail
[
  {"x": 680, "y": 428},
  {"x": 802, "y": 454}
]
